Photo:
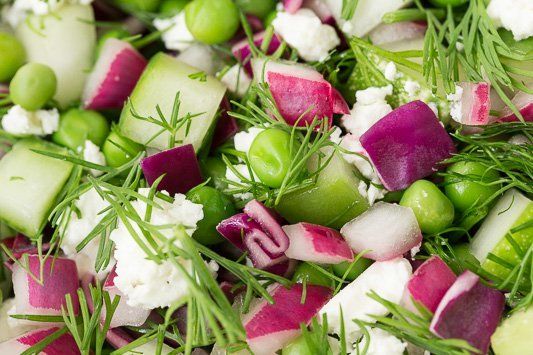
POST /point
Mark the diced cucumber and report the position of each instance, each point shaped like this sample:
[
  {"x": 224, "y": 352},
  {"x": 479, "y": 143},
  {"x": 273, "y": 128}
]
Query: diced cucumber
[
  {"x": 162, "y": 79},
  {"x": 65, "y": 41},
  {"x": 513, "y": 336},
  {"x": 332, "y": 201},
  {"x": 30, "y": 184},
  {"x": 506, "y": 220}
]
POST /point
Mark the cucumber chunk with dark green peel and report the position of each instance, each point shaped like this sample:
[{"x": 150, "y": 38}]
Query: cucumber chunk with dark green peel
[
  {"x": 30, "y": 184},
  {"x": 162, "y": 79}
]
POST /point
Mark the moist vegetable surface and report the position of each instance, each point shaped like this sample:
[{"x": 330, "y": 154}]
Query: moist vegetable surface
[{"x": 293, "y": 177}]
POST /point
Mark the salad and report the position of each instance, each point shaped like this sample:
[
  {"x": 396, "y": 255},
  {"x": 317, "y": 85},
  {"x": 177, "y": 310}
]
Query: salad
[{"x": 292, "y": 177}]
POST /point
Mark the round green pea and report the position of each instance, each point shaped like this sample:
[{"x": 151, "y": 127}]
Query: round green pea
[
  {"x": 305, "y": 272},
  {"x": 269, "y": 18},
  {"x": 445, "y": 3},
  {"x": 215, "y": 169},
  {"x": 259, "y": 8},
  {"x": 33, "y": 86},
  {"x": 433, "y": 210},
  {"x": 357, "y": 269},
  {"x": 118, "y": 150},
  {"x": 212, "y": 21},
  {"x": 172, "y": 7},
  {"x": 465, "y": 193},
  {"x": 77, "y": 125},
  {"x": 139, "y": 5},
  {"x": 297, "y": 347},
  {"x": 114, "y": 33},
  {"x": 12, "y": 56},
  {"x": 269, "y": 156},
  {"x": 217, "y": 207}
]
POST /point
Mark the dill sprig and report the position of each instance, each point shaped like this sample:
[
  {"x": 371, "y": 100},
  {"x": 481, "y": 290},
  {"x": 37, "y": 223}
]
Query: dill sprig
[{"x": 348, "y": 9}]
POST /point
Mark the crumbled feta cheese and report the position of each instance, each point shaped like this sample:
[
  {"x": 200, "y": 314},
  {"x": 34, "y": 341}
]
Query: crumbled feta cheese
[
  {"x": 519, "y": 139},
  {"x": 19, "y": 121},
  {"x": 243, "y": 140},
  {"x": 335, "y": 136},
  {"x": 176, "y": 35},
  {"x": 231, "y": 176},
  {"x": 20, "y": 9},
  {"x": 351, "y": 143},
  {"x": 387, "y": 278},
  {"x": 415, "y": 250},
  {"x": 371, "y": 192},
  {"x": 92, "y": 154},
  {"x": 369, "y": 108},
  {"x": 304, "y": 31},
  {"x": 11, "y": 327},
  {"x": 149, "y": 285},
  {"x": 236, "y": 80},
  {"x": 382, "y": 343},
  {"x": 89, "y": 206},
  {"x": 513, "y": 15},
  {"x": 412, "y": 88},
  {"x": 456, "y": 105},
  {"x": 390, "y": 72},
  {"x": 200, "y": 56}
]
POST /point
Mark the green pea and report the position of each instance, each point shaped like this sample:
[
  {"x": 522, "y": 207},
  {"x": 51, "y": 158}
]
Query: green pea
[
  {"x": 139, "y": 5},
  {"x": 433, "y": 210},
  {"x": 12, "y": 56},
  {"x": 297, "y": 347},
  {"x": 115, "y": 33},
  {"x": 172, "y": 7},
  {"x": 445, "y": 3},
  {"x": 215, "y": 169},
  {"x": 312, "y": 276},
  {"x": 357, "y": 269},
  {"x": 77, "y": 125},
  {"x": 269, "y": 156},
  {"x": 118, "y": 150},
  {"x": 269, "y": 18},
  {"x": 217, "y": 207},
  {"x": 472, "y": 189},
  {"x": 259, "y": 8},
  {"x": 212, "y": 21},
  {"x": 33, "y": 86}
]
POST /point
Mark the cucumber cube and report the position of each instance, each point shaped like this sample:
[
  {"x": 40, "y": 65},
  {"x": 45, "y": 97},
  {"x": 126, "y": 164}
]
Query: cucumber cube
[
  {"x": 30, "y": 184},
  {"x": 332, "y": 201},
  {"x": 162, "y": 79}
]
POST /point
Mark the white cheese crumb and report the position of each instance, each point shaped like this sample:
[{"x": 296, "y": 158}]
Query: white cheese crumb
[
  {"x": 236, "y": 80},
  {"x": 456, "y": 105},
  {"x": 305, "y": 32},
  {"x": 382, "y": 343},
  {"x": 412, "y": 88},
  {"x": 335, "y": 136},
  {"x": 371, "y": 192},
  {"x": 92, "y": 154},
  {"x": 519, "y": 139},
  {"x": 231, "y": 176},
  {"x": 243, "y": 140},
  {"x": 149, "y": 285},
  {"x": 17, "y": 13},
  {"x": 176, "y": 35},
  {"x": 390, "y": 72},
  {"x": 351, "y": 143},
  {"x": 21, "y": 122},
  {"x": 513, "y": 15},
  {"x": 89, "y": 206}
]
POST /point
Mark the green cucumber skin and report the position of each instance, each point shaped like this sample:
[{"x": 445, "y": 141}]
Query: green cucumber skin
[
  {"x": 30, "y": 184},
  {"x": 335, "y": 190},
  {"x": 162, "y": 79}
]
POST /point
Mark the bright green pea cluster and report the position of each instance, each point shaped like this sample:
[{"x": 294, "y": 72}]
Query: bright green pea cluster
[
  {"x": 172, "y": 7},
  {"x": 118, "y": 150},
  {"x": 33, "y": 86},
  {"x": 12, "y": 56},
  {"x": 308, "y": 274},
  {"x": 212, "y": 21},
  {"x": 259, "y": 8},
  {"x": 77, "y": 125}
]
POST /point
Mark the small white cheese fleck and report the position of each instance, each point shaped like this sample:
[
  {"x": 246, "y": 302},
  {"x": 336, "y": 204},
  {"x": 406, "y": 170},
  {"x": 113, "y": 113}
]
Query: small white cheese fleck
[
  {"x": 20, "y": 9},
  {"x": 21, "y": 122},
  {"x": 513, "y": 15},
  {"x": 243, "y": 140},
  {"x": 236, "y": 80},
  {"x": 456, "y": 105},
  {"x": 92, "y": 154},
  {"x": 519, "y": 139},
  {"x": 176, "y": 35},
  {"x": 390, "y": 71},
  {"x": 412, "y": 88},
  {"x": 231, "y": 176},
  {"x": 382, "y": 343},
  {"x": 304, "y": 31}
]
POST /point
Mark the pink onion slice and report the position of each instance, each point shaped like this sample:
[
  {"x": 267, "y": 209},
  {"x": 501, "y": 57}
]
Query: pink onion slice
[
  {"x": 20, "y": 245},
  {"x": 291, "y": 6},
  {"x": 64, "y": 345},
  {"x": 429, "y": 283},
  {"x": 311, "y": 242},
  {"x": 475, "y": 104},
  {"x": 524, "y": 103},
  {"x": 269, "y": 327},
  {"x": 124, "y": 314},
  {"x": 180, "y": 166},
  {"x": 226, "y": 126},
  {"x": 60, "y": 277},
  {"x": 243, "y": 53},
  {"x": 118, "y": 338},
  {"x": 407, "y": 145},
  {"x": 114, "y": 76},
  {"x": 234, "y": 228},
  {"x": 385, "y": 231},
  {"x": 270, "y": 223},
  {"x": 262, "y": 249},
  {"x": 397, "y": 32},
  {"x": 339, "y": 104},
  {"x": 469, "y": 310}
]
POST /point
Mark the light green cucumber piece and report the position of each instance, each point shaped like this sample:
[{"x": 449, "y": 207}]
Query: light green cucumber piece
[
  {"x": 508, "y": 219},
  {"x": 162, "y": 79},
  {"x": 65, "y": 41},
  {"x": 513, "y": 336},
  {"x": 332, "y": 201},
  {"x": 30, "y": 184}
]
